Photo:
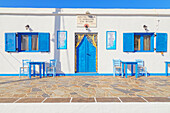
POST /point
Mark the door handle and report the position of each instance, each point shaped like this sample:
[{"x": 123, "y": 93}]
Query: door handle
[{"x": 88, "y": 54}]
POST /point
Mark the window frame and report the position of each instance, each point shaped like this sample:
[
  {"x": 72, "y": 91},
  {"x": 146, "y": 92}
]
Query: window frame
[
  {"x": 29, "y": 42},
  {"x": 142, "y": 42}
]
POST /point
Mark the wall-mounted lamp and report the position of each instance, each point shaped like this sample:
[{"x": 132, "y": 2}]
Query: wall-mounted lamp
[
  {"x": 86, "y": 26},
  {"x": 145, "y": 27},
  {"x": 27, "y": 27}
]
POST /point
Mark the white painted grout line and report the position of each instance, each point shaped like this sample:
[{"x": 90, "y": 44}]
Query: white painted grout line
[
  {"x": 95, "y": 99},
  {"x": 71, "y": 99},
  {"x": 119, "y": 99},
  {"x": 17, "y": 100},
  {"x": 44, "y": 100},
  {"x": 144, "y": 99}
]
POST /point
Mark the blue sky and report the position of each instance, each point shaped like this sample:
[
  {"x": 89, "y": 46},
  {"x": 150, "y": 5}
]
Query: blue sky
[{"x": 137, "y": 4}]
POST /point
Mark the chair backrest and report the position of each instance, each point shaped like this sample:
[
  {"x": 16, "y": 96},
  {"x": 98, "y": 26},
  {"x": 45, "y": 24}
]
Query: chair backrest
[
  {"x": 25, "y": 62},
  {"x": 140, "y": 62},
  {"x": 53, "y": 63},
  {"x": 116, "y": 62}
]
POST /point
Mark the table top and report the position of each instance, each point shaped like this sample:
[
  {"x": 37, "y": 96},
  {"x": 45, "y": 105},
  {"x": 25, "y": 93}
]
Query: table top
[
  {"x": 129, "y": 62},
  {"x": 36, "y": 62}
]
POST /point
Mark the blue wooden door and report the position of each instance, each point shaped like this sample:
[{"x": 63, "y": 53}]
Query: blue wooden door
[{"x": 86, "y": 56}]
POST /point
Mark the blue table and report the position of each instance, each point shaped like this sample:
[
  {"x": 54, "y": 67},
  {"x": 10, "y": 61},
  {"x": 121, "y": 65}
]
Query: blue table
[
  {"x": 166, "y": 67},
  {"x": 129, "y": 63},
  {"x": 36, "y": 63}
]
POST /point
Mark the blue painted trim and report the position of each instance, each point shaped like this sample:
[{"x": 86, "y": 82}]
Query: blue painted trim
[
  {"x": 106, "y": 74},
  {"x": 28, "y": 32},
  {"x": 166, "y": 67},
  {"x": 65, "y": 40},
  {"x": 90, "y": 74},
  {"x": 12, "y": 74},
  {"x": 114, "y": 47}
]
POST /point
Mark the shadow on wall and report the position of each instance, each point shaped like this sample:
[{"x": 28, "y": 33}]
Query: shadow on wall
[
  {"x": 68, "y": 61},
  {"x": 56, "y": 51}
]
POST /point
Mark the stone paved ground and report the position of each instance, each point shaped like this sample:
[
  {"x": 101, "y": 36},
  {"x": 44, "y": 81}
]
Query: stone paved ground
[{"x": 87, "y": 86}]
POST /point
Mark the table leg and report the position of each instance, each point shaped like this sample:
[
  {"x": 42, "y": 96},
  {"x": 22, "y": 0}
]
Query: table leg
[
  {"x": 166, "y": 68},
  {"x": 136, "y": 70},
  {"x": 43, "y": 69},
  {"x": 40, "y": 70},
  {"x": 34, "y": 70},
  {"x": 131, "y": 69},
  {"x": 122, "y": 70},
  {"x": 29, "y": 70},
  {"x": 126, "y": 70}
]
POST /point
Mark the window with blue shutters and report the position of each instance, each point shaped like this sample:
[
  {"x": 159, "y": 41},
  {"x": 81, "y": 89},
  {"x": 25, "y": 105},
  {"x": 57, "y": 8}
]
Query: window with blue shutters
[
  {"x": 161, "y": 42},
  {"x": 138, "y": 42},
  {"x": 28, "y": 42}
]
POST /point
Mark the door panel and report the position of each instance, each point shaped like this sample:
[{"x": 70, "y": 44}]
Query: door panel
[
  {"x": 81, "y": 62},
  {"x": 91, "y": 58},
  {"x": 86, "y": 56}
]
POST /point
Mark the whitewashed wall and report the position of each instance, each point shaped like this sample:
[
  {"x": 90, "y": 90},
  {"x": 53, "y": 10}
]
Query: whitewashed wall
[{"x": 10, "y": 62}]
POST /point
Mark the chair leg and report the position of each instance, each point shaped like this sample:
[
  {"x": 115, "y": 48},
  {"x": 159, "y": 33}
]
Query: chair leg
[
  {"x": 146, "y": 74},
  {"x": 46, "y": 73},
  {"x": 53, "y": 72},
  {"x": 20, "y": 73},
  {"x": 28, "y": 72},
  {"x": 114, "y": 72}
]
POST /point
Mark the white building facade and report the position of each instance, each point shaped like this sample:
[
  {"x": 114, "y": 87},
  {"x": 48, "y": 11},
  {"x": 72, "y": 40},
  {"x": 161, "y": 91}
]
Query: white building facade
[{"x": 145, "y": 23}]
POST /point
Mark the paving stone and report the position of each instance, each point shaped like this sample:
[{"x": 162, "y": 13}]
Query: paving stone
[
  {"x": 45, "y": 95},
  {"x": 19, "y": 95},
  {"x": 59, "y": 92},
  {"x": 132, "y": 99},
  {"x": 83, "y": 100},
  {"x": 107, "y": 100},
  {"x": 86, "y": 85},
  {"x": 30, "y": 100},
  {"x": 157, "y": 99},
  {"x": 100, "y": 86},
  {"x": 73, "y": 93},
  {"x": 57, "y": 100},
  {"x": 122, "y": 90},
  {"x": 36, "y": 89},
  {"x": 139, "y": 95},
  {"x": 8, "y": 100},
  {"x": 137, "y": 90}
]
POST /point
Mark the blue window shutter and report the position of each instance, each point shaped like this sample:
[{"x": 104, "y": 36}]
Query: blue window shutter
[
  {"x": 161, "y": 42},
  {"x": 152, "y": 43},
  {"x": 19, "y": 42},
  {"x": 10, "y": 42},
  {"x": 44, "y": 42},
  {"x": 128, "y": 42}
]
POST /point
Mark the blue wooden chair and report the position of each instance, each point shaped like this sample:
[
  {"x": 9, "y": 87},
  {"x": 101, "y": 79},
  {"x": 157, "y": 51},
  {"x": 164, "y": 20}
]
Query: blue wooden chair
[
  {"x": 25, "y": 67},
  {"x": 116, "y": 66},
  {"x": 52, "y": 68},
  {"x": 141, "y": 68}
]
